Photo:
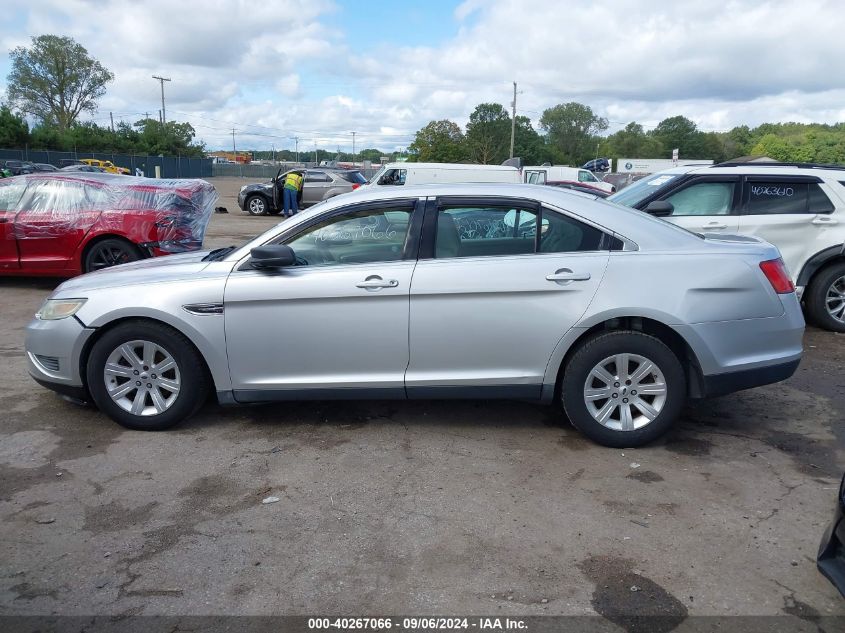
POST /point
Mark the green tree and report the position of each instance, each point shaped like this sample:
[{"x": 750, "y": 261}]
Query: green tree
[
  {"x": 14, "y": 131},
  {"x": 488, "y": 134},
  {"x": 632, "y": 142},
  {"x": 572, "y": 130},
  {"x": 774, "y": 147},
  {"x": 439, "y": 142},
  {"x": 528, "y": 144},
  {"x": 680, "y": 133},
  {"x": 371, "y": 154},
  {"x": 174, "y": 138},
  {"x": 56, "y": 80}
]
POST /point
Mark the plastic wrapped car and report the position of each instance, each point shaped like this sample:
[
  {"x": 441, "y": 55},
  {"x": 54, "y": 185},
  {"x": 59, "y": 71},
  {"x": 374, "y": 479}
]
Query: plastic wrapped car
[{"x": 63, "y": 224}]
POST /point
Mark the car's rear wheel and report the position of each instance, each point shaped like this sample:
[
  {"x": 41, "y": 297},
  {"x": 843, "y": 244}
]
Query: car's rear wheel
[
  {"x": 825, "y": 298},
  {"x": 109, "y": 252},
  {"x": 623, "y": 389},
  {"x": 146, "y": 376},
  {"x": 256, "y": 205}
]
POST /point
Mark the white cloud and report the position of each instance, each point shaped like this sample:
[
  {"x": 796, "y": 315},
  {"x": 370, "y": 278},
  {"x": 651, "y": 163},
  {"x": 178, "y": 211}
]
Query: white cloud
[{"x": 277, "y": 70}]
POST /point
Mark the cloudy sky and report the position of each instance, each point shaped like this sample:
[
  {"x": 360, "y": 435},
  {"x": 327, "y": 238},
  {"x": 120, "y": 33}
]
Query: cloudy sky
[{"x": 320, "y": 69}]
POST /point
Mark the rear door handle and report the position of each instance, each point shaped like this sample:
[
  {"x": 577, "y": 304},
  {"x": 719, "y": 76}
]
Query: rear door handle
[
  {"x": 825, "y": 220},
  {"x": 374, "y": 282},
  {"x": 565, "y": 274},
  {"x": 714, "y": 225}
]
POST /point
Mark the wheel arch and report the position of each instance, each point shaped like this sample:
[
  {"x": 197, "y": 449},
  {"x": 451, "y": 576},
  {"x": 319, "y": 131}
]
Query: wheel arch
[
  {"x": 656, "y": 327},
  {"x": 819, "y": 261},
  {"x": 102, "y": 329},
  {"x": 86, "y": 245}
]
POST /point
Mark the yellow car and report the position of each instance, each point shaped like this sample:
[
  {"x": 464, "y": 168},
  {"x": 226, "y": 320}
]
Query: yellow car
[{"x": 109, "y": 166}]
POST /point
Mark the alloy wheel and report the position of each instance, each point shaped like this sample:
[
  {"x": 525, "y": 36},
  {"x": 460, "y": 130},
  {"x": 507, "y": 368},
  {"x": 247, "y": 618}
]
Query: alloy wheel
[
  {"x": 625, "y": 392},
  {"x": 835, "y": 299},
  {"x": 142, "y": 377},
  {"x": 108, "y": 255},
  {"x": 256, "y": 206}
]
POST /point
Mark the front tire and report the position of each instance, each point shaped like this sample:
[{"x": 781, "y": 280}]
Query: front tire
[
  {"x": 256, "y": 205},
  {"x": 146, "y": 376},
  {"x": 825, "y": 298},
  {"x": 623, "y": 389}
]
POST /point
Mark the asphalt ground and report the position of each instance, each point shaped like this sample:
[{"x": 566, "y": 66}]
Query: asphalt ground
[{"x": 435, "y": 507}]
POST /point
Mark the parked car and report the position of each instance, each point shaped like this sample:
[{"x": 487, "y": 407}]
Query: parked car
[
  {"x": 84, "y": 168},
  {"x": 67, "y": 162},
  {"x": 19, "y": 167},
  {"x": 597, "y": 165},
  {"x": 105, "y": 165},
  {"x": 42, "y": 167},
  {"x": 398, "y": 174},
  {"x": 379, "y": 294},
  {"x": 318, "y": 185},
  {"x": 538, "y": 175},
  {"x": 831, "y": 558},
  {"x": 64, "y": 224},
  {"x": 798, "y": 207},
  {"x": 579, "y": 186}
]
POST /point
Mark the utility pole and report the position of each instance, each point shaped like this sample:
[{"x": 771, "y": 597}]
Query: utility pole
[
  {"x": 296, "y": 141},
  {"x": 161, "y": 80},
  {"x": 111, "y": 116},
  {"x": 234, "y": 149},
  {"x": 316, "y": 162},
  {"x": 353, "y": 149},
  {"x": 513, "y": 118}
]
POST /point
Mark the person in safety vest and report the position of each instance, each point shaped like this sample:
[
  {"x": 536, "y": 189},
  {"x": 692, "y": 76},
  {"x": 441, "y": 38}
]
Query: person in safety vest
[{"x": 290, "y": 192}]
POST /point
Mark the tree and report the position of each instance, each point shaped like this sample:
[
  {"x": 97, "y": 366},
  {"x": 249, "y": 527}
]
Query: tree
[
  {"x": 371, "y": 154},
  {"x": 632, "y": 142},
  {"x": 572, "y": 129},
  {"x": 175, "y": 139},
  {"x": 439, "y": 142},
  {"x": 680, "y": 133},
  {"x": 14, "y": 131},
  {"x": 773, "y": 147},
  {"x": 488, "y": 134},
  {"x": 528, "y": 144},
  {"x": 56, "y": 80}
]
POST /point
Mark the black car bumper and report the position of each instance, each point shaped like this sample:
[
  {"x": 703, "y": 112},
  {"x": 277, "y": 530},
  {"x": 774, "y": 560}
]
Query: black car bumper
[
  {"x": 721, "y": 384},
  {"x": 831, "y": 558}
]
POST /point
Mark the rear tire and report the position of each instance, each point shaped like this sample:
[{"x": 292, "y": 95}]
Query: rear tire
[
  {"x": 109, "y": 252},
  {"x": 825, "y": 298},
  {"x": 628, "y": 368},
  {"x": 256, "y": 205},
  {"x": 146, "y": 376}
]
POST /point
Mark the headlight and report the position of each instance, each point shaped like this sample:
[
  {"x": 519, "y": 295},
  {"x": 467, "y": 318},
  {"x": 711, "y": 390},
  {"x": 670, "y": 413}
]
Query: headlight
[{"x": 54, "y": 309}]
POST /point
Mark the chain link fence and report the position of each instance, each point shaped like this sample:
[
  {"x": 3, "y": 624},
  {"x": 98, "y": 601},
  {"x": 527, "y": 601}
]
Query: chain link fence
[{"x": 170, "y": 166}]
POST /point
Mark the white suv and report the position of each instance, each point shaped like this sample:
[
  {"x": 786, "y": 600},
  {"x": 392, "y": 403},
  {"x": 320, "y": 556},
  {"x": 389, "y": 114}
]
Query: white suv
[{"x": 798, "y": 207}]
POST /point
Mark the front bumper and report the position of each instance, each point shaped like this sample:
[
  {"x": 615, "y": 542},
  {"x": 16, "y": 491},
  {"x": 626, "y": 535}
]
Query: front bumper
[
  {"x": 831, "y": 558},
  {"x": 53, "y": 354},
  {"x": 242, "y": 200}
]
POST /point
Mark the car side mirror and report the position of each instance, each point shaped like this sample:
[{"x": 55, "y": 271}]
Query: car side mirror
[
  {"x": 272, "y": 256},
  {"x": 660, "y": 208}
]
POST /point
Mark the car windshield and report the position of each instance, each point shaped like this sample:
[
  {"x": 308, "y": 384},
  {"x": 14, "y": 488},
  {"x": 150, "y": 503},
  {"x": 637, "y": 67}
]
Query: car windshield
[
  {"x": 633, "y": 194},
  {"x": 377, "y": 175},
  {"x": 355, "y": 177}
]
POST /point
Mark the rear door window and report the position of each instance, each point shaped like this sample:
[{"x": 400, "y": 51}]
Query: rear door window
[{"x": 774, "y": 197}]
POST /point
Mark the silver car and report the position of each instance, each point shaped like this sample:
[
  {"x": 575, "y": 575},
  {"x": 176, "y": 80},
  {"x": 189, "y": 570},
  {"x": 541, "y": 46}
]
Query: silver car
[{"x": 449, "y": 291}]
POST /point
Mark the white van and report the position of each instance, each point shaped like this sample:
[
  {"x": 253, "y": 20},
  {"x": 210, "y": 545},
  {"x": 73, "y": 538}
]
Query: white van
[
  {"x": 545, "y": 173},
  {"x": 433, "y": 173}
]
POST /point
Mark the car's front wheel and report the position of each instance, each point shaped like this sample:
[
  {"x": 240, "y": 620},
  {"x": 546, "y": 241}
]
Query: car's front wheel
[
  {"x": 825, "y": 298},
  {"x": 146, "y": 376},
  {"x": 256, "y": 205},
  {"x": 623, "y": 388}
]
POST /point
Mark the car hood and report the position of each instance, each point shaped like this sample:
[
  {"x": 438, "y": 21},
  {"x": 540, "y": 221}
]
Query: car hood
[{"x": 146, "y": 271}]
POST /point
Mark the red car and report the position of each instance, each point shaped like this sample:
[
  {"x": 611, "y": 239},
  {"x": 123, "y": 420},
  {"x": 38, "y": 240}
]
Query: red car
[{"x": 64, "y": 224}]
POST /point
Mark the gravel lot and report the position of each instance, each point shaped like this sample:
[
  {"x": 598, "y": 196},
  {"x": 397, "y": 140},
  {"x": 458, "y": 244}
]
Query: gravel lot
[{"x": 424, "y": 507}]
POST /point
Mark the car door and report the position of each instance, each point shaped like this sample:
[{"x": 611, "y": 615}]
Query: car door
[
  {"x": 314, "y": 187},
  {"x": 336, "y": 321},
  {"x": 55, "y": 214},
  {"x": 491, "y": 299},
  {"x": 791, "y": 212},
  {"x": 11, "y": 192},
  {"x": 706, "y": 204}
]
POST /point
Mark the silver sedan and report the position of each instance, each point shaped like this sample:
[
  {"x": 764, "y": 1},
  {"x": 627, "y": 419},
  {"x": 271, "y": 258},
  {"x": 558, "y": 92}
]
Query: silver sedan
[{"x": 451, "y": 291}]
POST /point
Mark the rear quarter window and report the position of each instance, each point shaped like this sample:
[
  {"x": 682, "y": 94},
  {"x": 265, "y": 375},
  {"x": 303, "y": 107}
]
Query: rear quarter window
[{"x": 818, "y": 202}]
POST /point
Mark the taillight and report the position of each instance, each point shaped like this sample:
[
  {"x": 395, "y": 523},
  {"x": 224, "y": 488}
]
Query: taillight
[
  {"x": 775, "y": 271},
  {"x": 355, "y": 185}
]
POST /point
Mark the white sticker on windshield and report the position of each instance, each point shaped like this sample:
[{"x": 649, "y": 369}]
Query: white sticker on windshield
[{"x": 659, "y": 181}]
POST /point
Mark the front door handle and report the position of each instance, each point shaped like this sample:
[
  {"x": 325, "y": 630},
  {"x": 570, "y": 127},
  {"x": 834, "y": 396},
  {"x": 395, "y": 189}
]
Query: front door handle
[
  {"x": 714, "y": 225},
  {"x": 374, "y": 282},
  {"x": 565, "y": 274},
  {"x": 824, "y": 220}
]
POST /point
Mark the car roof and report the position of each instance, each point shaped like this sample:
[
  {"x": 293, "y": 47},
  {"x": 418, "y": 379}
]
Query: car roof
[
  {"x": 458, "y": 166},
  {"x": 775, "y": 169}
]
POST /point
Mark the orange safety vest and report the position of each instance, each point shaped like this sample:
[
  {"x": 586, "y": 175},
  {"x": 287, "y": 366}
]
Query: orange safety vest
[{"x": 293, "y": 181}]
